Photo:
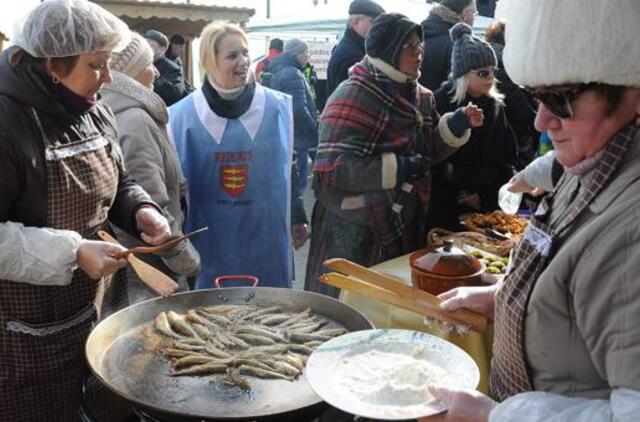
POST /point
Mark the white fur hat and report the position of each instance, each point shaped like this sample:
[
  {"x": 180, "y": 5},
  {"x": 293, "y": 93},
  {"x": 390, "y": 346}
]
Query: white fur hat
[{"x": 555, "y": 42}]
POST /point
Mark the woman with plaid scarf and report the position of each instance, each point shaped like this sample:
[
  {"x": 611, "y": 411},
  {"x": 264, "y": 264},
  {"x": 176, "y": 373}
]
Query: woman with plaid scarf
[{"x": 378, "y": 136}]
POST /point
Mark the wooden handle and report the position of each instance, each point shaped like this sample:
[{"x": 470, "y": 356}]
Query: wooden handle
[
  {"x": 156, "y": 280},
  {"x": 477, "y": 321}
]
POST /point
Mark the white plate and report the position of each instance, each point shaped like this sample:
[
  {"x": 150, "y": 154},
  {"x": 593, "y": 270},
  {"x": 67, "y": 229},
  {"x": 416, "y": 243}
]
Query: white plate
[{"x": 382, "y": 374}]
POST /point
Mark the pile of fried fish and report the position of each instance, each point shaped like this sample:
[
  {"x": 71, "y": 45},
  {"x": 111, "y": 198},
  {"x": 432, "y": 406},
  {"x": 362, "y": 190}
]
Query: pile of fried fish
[{"x": 236, "y": 340}]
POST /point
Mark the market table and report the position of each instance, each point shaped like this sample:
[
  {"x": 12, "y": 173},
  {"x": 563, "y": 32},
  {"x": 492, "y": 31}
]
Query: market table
[{"x": 386, "y": 316}]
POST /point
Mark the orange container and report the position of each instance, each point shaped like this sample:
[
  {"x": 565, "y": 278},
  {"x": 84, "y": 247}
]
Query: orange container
[{"x": 436, "y": 270}]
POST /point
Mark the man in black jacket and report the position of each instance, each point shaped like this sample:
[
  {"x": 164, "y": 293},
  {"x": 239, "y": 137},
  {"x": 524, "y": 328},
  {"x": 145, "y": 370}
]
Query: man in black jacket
[
  {"x": 436, "y": 65},
  {"x": 171, "y": 85},
  {"x": 350, "y": 49}
]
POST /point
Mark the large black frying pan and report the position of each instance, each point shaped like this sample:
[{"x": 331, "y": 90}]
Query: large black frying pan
[{"x": 122, "y": 353}]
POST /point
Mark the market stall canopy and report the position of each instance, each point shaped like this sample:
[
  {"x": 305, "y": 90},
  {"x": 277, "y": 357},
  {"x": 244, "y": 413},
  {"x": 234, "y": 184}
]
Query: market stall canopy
[{"x": 173, "y": 18}]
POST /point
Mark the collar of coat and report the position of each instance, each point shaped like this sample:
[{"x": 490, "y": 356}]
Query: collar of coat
[
  {"x": 150, "y": 101},
  {"x": 394, "y": 74},
  {"x": 216, "y": 125}
]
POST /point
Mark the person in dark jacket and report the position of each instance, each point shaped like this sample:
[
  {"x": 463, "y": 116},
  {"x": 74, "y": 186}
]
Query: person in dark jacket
[
  {"x": 171, "y": 85},
  {"x": 519, "y": 104},
  {"x": 288, "y": 77},
  {"x": 436, "y": 65},
  {"x": 350, "y": 49},
  {"x": 469, "y": 180},
  {"x": 62, "y": 181}
]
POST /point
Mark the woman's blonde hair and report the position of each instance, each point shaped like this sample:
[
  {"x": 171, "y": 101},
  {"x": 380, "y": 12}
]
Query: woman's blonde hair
[
  {"x": 210, "y": 42},
  {"x": 461, "y": 87}
]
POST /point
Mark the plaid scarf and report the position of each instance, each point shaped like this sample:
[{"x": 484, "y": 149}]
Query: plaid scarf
[{"x": 353, "y": 124}]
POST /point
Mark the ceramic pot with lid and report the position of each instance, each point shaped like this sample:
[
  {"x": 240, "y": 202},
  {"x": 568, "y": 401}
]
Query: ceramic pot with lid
[{"x": 438, "y": 269}]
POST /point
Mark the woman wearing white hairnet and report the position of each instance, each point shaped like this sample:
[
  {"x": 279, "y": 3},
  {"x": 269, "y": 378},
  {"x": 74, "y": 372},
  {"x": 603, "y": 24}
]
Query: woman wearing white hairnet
[
  {"x": 567, "y": 338},
  {"x": 62, "y": 181}
]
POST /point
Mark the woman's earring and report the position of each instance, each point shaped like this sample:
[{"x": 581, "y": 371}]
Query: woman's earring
[{"x": 55, "y": 79}]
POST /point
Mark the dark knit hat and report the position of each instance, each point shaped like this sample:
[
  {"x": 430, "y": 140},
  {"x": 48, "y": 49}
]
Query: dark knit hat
[
  {"x": 365, "y": 7},
  {"x": 157, "y": 36},
  {"x": 177, "y": 39},
  {"x": 277, "y": 44},
  {"x": 387, "y": 35},
  {"x": 456, "y": 5},
  {"x": 469, "y": 53}
]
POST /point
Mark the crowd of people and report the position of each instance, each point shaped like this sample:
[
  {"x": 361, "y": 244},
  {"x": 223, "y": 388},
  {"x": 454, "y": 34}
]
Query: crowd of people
[{"x": 101, "y": 130}]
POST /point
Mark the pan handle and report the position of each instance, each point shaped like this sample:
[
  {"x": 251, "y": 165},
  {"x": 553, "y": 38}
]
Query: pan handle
[{"x": 217, "y": 281}]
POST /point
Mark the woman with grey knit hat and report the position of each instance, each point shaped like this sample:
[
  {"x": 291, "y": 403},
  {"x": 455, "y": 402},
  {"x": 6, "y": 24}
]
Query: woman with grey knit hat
[
  {"x": 150, "y": 158},
  {"x": 469, "y": 180},
  {"x": 379, "y": 134}
]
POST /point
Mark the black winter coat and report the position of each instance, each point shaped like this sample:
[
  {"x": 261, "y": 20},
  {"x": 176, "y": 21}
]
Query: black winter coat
[
  {"x": 438, "y": 44},
  {"x": 480, "y": 166},
  {"x": 23, "y": 180},
  {"x": 171, "y": 85},
  {"x": 288, "y": 78},
  {"x": 347, "y": 52},
  {"x": 520, "y": 107}
]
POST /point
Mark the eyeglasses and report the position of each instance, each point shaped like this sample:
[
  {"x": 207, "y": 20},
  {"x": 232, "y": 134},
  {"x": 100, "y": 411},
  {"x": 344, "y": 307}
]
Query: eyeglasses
[
  {"x": 559, "y": 99},
  {"x": 413, "y": 45},
  {"x": 487, "y": 73}
]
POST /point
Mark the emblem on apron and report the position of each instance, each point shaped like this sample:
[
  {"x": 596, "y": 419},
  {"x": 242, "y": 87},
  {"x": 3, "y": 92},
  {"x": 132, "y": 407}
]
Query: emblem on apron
[{"x": 234, "y": 179}]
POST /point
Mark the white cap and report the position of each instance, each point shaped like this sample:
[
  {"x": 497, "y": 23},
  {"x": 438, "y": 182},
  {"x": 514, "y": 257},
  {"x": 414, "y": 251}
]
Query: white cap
[{"x": 556, "y": 42}]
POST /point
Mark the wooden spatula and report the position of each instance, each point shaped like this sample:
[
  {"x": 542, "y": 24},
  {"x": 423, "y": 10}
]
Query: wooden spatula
[
  {"x": 153, "y": 278},
  {"x": 403, "y": 296}
]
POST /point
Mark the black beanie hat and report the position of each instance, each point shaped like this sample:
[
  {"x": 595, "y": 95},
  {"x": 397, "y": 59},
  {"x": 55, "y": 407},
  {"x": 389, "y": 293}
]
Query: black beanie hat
[
  {"x": 277, "y": 44},
  {"x": 176, "y": 39},
  {"x": 365, "y": 7},
  {"x": 469, "y": 53},
  {"x": 387, "y": 35},
  {"x": 456, "y": 5}
]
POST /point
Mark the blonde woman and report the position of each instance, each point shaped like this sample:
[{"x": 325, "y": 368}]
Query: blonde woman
[
  {"x": 469, "y": 180},
  {"x": 235, "y": 140}
]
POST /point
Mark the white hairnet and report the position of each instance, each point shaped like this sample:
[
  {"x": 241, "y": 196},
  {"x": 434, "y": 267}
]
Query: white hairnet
[{"x": 62, "y": 28}]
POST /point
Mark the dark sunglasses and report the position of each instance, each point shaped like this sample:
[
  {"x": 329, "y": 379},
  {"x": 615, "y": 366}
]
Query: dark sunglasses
[
  {"x": 485, "y": 73},
  {"x": 558, "y": 100}
]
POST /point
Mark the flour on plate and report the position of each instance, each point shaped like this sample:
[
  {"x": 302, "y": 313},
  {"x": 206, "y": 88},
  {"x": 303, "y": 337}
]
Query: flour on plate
[{"x": 388, "y": 378}]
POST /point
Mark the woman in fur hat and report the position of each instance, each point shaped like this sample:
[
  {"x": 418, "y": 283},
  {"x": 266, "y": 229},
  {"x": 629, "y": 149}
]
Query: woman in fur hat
[
  {"x": 378, "y": 135},
  {"x": 469, "y": 180},
  {"x": 567, "y": 341}
]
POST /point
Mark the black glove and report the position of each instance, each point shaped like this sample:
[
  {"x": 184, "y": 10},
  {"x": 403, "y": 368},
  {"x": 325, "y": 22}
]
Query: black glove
[{"x": 412, "y": 167}]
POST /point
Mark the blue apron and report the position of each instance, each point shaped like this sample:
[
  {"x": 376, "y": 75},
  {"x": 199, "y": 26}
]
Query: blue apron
[{"x": 239, "y": 174}]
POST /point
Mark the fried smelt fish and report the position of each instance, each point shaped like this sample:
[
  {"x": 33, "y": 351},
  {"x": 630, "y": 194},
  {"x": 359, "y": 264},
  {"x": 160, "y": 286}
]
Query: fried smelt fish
[
  {"x": 214, "y": 351},
  {"x": 231, "y": 378},
  {"x": 274, "y": 319},
  {"x": 204, "y": 369},
  {"x": 300, "y": 348},
  {"x": 260, "y": 331},
  {"x": 296, "y": 337},
  {"x": 296, "y": 318},
  {"x": 163, "y": 326},
  {"x": 261, "y": 373},
  {"x": 191, "y": 360},
  {"x": 256, "y": 340},
  {"x": 332, "y": 332},
  {"x": 213, "y": 317},
  {"x": 180, "y": 325},
  {"x": 285, "y": 368},
  {"x": 294, "y": 361}
]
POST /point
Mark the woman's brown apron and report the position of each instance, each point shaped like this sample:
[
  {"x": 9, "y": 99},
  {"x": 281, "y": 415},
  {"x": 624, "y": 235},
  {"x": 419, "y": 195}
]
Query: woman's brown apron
[
  {"x": 510, "y": 373},
  {"x": 43, "y": 329}
]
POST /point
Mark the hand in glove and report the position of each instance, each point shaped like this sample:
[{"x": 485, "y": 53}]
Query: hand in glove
[{"x": 412, "y": 167}]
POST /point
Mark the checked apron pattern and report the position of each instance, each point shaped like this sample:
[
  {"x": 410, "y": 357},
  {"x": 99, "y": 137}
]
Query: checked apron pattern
[{"x": 43, "y": 328}]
